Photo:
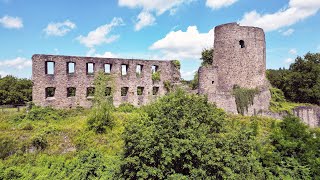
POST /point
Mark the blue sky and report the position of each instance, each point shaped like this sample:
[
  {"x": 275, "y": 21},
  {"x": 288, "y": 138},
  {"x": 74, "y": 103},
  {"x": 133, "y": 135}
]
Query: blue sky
[{"x": 157, "y": 29}]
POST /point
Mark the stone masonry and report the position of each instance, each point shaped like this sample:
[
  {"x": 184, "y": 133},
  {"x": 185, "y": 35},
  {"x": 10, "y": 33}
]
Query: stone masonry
[
  {"x": 239, "y": 59},
  {"x": 138, "y": 84}
]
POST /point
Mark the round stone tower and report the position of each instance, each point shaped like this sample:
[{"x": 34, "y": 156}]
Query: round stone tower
[{"x": 240, "y": 56}]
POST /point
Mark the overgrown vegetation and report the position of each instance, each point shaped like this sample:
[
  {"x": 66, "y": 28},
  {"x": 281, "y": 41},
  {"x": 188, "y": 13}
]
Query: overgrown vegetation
[
  {"x": 301, "y": 82},
  {"x": 15, "y": 91},
  {"x": 279, "y": 104},
  {"x": 101, "y": 117},
  {"x": 156, "y": 76},
  {"x": 176, "y": 63},
  {"x": 244, "y": 98},
  {"x": 179, "y": 136},
  {"x": 207, "y": 57},
  {"x": 168, "y": 86}
]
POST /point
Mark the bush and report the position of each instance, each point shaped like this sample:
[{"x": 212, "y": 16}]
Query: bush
[
  {"x": 39, "y": 141},
  {"x": 126, "y": 107},
  {"x": 27, "y": 127},
  {"x": 7, "y": 147},
  {"x": 101, "y": 117},
  {"x": 172, "y": 137},
  {"x": 244, "y": 98},
  {"x": 43, "y": 114}
]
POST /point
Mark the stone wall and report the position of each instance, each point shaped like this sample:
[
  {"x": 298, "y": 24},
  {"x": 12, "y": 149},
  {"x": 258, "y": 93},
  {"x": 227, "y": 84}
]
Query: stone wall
[
  {"x": 81, "y": 80},
  {"x": 310, "y": 115},
  {"x": 239, "y": 58}
]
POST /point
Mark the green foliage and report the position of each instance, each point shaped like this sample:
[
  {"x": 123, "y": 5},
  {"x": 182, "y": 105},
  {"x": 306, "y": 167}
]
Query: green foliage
[
  {"x": 195, "y": 81},
  {"x": 207, "y": 57},
  {"x": 168, "y": 86},
  {"x": 279, "y": 104},
  {"x": 156, "y": 76},
  {"x": 292, "y": 151},
  {"x": 101, "y": 82},
  {"x": 126, "y": 108},
  {"x": 39, "y": 141},
  {"x": 172, "y": 138},
  {"x": 301, "y": 82},
  {"x": 176, "y": 63},
  {"x": 14, "y": 90},
  {"x": 101, "y": 115},
  {"x": 43, "y": 114},
  {"x": 244, "y": 98}
]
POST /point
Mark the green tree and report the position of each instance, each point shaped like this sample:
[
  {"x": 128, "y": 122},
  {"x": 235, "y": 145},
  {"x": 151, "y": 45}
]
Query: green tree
[
  {"x": 301, "y": 82},
  {"x": 183, "y": 136},
  {"x": 15, "y": 91},
  {"x": 101, "y": 116},
  {"x": 207, "y": 57}
]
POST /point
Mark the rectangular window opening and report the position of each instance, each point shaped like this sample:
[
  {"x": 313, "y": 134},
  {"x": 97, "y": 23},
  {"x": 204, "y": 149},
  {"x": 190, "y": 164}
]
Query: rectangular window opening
[
  {"x": 155, "y": 90},
  {"x": 107, "y": 68},
  {"x": 139, "y": 69},
  {"x": 49, "y": 67},
  {"x": 71, "y": 91},
  {"x": 90, "y": 91},
  {"x": 124, "y": 69},
  {"x": 140, "y": 91},
  {"x": 108, "y": 91},
  {"x": 50, "y": 91},
  {"x": 90, "y": 68},
  {"x": 70, "y": 67},
  {"x": 154, "y": 68},
  {"x": 124, "y": 91}
]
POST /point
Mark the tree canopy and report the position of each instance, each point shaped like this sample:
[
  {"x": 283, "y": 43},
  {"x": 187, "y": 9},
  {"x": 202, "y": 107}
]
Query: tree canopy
[
  {"x": 15, "y": 91},
  {"x": 301, "y": 82}
]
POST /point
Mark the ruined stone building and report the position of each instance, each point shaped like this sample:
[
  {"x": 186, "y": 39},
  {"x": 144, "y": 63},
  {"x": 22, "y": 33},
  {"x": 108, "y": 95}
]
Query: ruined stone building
[
  {"x": 239, "y": 59},
  {"x": 67, "y": 81}
]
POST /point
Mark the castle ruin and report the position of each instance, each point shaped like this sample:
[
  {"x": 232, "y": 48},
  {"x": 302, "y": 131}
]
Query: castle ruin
[
  {"x": 239, "y": 58},
  {"x": 68, "y": 81}
]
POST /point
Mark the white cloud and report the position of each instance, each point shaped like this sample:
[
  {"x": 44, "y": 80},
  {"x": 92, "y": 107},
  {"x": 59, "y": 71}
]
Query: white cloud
[
  {"x": 288, "y": 32},
  {"x": 296, "y": 11},
  {"x": 107, "y": 54},
  {"x": 149, "y": 7},
  {"x": 217, "y": 4},
  {"x": 188, "y": 75},
  {"x": 59, "y": 28},
  {"x": 11, "y": 22},
  {"x": 3, "y": 74},
  {"x": 159, "y": 6},
  {"x": 101, "y": 34},
  {"x": 289, "y": 61},
  {"x": 184, "y": 45},
  {"x": 17, "y": 63},
  {"x": 293, "y": 51},
  {"x": 144, "y": 19}
]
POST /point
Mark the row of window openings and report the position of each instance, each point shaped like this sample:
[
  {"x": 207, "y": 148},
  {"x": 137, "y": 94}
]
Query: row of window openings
[
  {"x": 71, "y": 91},
  {"x": 90, "y": 68}
]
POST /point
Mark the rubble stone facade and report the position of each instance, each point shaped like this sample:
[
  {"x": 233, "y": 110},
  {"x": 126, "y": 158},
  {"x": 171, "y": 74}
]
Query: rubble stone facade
[
  {"x": 239, "y": 59},
  {"x": 66, "y": 81}
]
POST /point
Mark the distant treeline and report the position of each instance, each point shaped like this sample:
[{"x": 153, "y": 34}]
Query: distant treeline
[
  {"x": 15, "y": 91},
  {"x": 301, "y": 82}
]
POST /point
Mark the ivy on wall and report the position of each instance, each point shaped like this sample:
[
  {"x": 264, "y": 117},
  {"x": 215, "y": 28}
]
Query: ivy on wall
[{"x": 244, "y": 98}]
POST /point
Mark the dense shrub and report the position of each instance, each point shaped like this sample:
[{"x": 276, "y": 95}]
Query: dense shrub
[
  {"x": 39, "y": 141},
  {"x": 126, "y": 107},
  {"x": 174, "y": 137},
  {"x": 42, "y": 114}
]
